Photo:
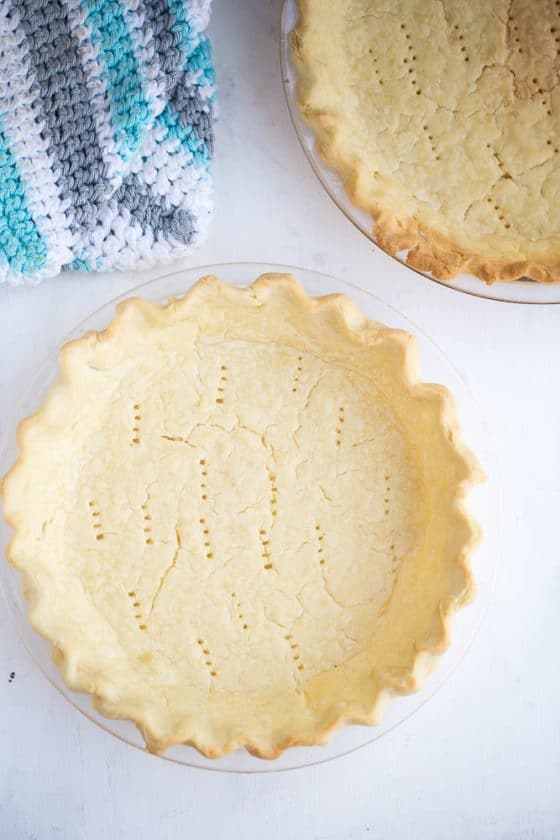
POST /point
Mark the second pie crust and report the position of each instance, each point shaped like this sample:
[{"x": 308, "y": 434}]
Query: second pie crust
[{"x": 433, "y": 113}]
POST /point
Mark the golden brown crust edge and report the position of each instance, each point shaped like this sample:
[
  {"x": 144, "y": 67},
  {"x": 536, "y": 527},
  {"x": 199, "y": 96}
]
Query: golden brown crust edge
[
  {"x": 349, "y": 318},
  {"x": 427, "y": 249}
]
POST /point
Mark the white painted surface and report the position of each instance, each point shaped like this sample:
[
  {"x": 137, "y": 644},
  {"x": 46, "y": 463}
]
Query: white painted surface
[{"x": 482, "y": 759}]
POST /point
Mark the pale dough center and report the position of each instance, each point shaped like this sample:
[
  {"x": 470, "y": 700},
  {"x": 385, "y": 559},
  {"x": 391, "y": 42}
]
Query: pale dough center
[{"x": 242, "y": 523}]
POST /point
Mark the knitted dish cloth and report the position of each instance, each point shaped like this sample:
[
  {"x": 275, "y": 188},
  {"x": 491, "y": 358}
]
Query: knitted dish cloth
[{"x": 106, "y": 132}]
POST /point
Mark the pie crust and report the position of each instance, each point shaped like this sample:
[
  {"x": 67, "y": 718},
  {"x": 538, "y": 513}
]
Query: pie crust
[
  {"x": 240, "y": 517},
  {"x": 443, "y": 120}
]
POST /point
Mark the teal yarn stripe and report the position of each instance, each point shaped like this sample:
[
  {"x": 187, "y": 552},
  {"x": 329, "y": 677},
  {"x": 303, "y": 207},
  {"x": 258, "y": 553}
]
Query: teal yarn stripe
[
  {"x": 21, "y": 244},
  {"x": 182, "y": 28},
  {"x": 79, "y": 265},
  {"x": 130, "y": 112},
  {"x": 201, "y": 59}
]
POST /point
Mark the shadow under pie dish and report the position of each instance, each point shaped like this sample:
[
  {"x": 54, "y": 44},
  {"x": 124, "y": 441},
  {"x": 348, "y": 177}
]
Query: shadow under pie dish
[
  {"x": 239, "y": 517},
  {"x": 441, "y": 119}
]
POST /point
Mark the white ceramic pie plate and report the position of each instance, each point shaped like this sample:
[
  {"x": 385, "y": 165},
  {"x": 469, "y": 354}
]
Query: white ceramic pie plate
[
  {"x": 518, "y": 291},
  {"x": 485, "y": 503}
]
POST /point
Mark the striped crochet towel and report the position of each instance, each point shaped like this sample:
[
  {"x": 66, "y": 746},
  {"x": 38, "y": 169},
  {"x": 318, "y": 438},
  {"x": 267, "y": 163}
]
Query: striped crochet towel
[{"x": 106, "y": 121}]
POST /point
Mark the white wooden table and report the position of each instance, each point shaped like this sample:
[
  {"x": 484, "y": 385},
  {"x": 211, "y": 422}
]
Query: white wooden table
[{"x": 482, "y": 759}]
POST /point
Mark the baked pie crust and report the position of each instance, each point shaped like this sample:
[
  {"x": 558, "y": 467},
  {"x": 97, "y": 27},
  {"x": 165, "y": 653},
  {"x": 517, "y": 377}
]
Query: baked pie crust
[
  {"x": 240, "y": 517},
  {"x": 443, "y": 120}
]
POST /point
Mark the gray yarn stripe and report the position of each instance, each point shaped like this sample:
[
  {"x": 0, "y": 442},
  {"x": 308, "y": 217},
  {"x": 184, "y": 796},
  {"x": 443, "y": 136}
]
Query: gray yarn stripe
[
  {"x": 151, "y": 211},
  {"x": 166, "y": 42},
  {"x": 194, "y": 111},
  {"x": 64, "y": 99}
]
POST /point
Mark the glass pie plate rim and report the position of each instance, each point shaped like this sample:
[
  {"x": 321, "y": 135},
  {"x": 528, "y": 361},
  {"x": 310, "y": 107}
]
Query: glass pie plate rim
[
  {"x": 522, "y": 291},
  {"x": 463, "y": 630}
]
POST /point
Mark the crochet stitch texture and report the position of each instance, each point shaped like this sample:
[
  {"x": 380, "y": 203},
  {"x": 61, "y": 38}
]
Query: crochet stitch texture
[{"x": 106, "y": 133}]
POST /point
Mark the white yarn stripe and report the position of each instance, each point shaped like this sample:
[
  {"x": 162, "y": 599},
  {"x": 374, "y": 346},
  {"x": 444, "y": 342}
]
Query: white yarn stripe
[
  {"x": 22, "y": 124},
  {"x": 198, "y": 14},
  {"x": 200, "y": 202},
  {"x": 141, "y": 248},
  {"x": 160, "y": 143},
  {"x": 164, "y": 161}
]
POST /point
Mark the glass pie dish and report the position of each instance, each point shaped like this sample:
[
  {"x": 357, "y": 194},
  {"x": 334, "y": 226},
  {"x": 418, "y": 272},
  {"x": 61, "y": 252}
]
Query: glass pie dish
[
  {"x": 485, "y": 503},
  {"x": 516, "y": 291}
]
